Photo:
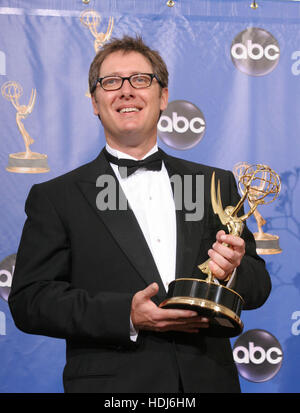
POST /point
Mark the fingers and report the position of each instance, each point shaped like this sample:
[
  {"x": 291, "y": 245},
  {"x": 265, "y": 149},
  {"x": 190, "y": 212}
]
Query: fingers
[
  {"x": 235, "y": 242},
  {"x": 190, "y": 325},
  {"x": 146, "y": 315},
  {"x": 164, "y": 314},
  {"x": 149, "y": 291},
  {"x": 174, "y": 314},
  {"x": 219, "y": 266},
  {"x": 226, "y": 254}
]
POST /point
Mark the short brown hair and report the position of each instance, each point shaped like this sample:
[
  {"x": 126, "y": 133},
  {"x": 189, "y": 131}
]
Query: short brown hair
[{"x": 129, "y": 44}]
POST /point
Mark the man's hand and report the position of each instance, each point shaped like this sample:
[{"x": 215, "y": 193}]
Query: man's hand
[
  {"x": 145, "y": 315},
  {"x": 224, "y": 259}
]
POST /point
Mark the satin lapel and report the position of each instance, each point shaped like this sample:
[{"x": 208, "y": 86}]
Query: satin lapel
[
  {"x": 122, "y": 225},
  {"x": 189, "y": 233}
]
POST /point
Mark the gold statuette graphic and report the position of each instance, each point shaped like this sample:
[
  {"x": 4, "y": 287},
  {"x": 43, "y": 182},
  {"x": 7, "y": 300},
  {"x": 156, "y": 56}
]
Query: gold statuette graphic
[
  {"x": 92, "y": 19},
  {"x": 28, "y": 161},
  {"x": 266, "y": 244},
  {"x": 259, "y": 184}
]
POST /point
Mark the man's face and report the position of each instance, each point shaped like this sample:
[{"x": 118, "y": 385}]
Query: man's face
[{"x": 129, "y": 128}]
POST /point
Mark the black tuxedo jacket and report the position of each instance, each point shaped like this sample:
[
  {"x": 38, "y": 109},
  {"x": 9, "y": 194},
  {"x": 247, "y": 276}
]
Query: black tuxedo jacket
[{"x": 78, "y": 268}]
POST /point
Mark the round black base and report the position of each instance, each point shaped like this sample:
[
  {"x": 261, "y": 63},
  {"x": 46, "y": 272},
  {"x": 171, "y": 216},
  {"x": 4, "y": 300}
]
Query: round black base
[{"x": 220, "y": 304}]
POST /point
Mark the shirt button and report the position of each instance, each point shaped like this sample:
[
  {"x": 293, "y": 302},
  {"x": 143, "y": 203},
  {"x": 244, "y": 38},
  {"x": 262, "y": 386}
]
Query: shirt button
[{"x": 158, "y": 240}]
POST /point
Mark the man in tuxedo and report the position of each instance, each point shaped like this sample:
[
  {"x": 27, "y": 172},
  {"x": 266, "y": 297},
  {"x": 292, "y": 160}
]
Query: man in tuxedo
[{"x": 95, "y": 276}]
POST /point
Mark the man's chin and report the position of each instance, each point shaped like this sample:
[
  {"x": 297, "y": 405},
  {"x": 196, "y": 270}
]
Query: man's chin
[{"x": 132, "y": 138}]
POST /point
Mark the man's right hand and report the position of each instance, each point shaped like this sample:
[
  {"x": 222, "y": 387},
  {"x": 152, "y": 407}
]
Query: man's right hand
[{"x": 145, "y": 315}]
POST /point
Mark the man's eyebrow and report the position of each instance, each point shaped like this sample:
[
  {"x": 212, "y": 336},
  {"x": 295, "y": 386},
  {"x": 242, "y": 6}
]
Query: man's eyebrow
[{"x": 136, "y": 72}]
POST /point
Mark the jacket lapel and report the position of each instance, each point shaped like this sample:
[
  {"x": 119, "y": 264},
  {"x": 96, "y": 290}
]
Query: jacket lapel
[
  {"x": 189, "y": 233},
  {"x": 122, "y": 224}
]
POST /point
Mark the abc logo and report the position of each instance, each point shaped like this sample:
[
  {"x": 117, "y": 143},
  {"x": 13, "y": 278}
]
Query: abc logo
[
  {"x": 258, "y": 355},
  {"x": 181, "y": 125},
  {"x": 255, "y": 52},
  {"x": 7, "y": 267}
]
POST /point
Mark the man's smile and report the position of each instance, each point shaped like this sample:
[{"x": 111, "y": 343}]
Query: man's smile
[{"x": 129, "y": 109}]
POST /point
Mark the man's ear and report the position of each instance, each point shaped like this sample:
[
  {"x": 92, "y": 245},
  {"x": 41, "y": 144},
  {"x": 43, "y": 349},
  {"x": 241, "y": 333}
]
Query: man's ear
[
  {"x": 164, "y": 99},
  {"x": 95, "y": 105}
]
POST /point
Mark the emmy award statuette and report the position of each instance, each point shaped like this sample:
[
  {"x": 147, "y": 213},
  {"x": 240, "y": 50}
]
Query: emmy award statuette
[
  {"x": 266, "y": 244},
  {"x": 259, "y": 184},
  {"x": 28, "y": 161},
  {"x": 91, "y": 19}
]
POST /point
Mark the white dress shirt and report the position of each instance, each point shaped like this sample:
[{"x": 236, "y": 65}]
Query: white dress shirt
[{"x": 150, "y": 196}]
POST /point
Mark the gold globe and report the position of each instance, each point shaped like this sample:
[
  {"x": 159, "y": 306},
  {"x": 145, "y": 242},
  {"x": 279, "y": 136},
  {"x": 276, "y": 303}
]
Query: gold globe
[
  {"x": 261, "y": 183},
  {"x": 11, "y": 90}
]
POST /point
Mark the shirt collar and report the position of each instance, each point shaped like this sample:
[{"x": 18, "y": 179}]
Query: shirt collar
[{"x": 123, "y": 155}]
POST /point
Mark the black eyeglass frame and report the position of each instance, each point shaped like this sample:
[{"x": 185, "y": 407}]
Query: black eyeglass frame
[{"x": 100, "y": 79}]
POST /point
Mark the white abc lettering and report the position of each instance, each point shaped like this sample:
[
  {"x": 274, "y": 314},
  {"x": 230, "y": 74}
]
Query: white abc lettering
[
  {"x": 239, "y": 51},
  {"x": 168, "y": 127},
  {"x": 296, "y": 325},
  {"x": 274, "y": 360},
  {"x": 239, "y": 55},
  {"x": 193, "y": 127},
  {"x": 254, "y": 50},
  {"x": 176, "y": 120},
  {"x": 5, "y": 278},
  {"x": 296, "y": 65},
  {"x": 245, "y": 355},
  {"x": 180, "y": 124},
  {"x": 273, "y": 56},
  {"x": 2, "y": 63},
  {"x": 255, "y": 47},
  {"x": 256, "y": 354}
]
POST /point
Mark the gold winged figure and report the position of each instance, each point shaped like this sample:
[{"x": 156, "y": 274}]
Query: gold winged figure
[
  {"x": 92, "y": 19},
  {"x": 228, "y": 216}
]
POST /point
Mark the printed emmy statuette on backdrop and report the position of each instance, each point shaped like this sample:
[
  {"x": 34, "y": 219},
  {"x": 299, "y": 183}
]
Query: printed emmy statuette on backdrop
[
  {"x": 208, "y": 297},
  {"x": 28, "y": 161},
  {"x": 266, "y": 244},
  {"x": 91, "y": 19}
]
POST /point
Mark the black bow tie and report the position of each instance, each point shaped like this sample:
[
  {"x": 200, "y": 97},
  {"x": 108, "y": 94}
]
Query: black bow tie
[{"x": 129, "y": 166}]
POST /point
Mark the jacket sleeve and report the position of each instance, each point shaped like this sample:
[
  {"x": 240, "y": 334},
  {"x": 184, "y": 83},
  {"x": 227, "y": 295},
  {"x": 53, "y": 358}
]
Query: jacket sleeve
[
  {"x": 42, "y": 300},
  {"x": 252, "y": 281}
]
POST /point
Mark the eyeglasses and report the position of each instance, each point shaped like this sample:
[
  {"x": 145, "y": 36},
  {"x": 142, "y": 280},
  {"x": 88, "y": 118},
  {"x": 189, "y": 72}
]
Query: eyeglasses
[{"x": 138, "y": 81}]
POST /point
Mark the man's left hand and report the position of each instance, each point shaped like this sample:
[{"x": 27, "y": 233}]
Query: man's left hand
[{"x": 224, "y": 259}]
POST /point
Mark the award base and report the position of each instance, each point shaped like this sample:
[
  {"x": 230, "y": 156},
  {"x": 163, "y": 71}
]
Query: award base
[
  {"x": 220, "y": 304},
  {"x": 267, "y": 244},
  {"x": 24, "y": 163}
]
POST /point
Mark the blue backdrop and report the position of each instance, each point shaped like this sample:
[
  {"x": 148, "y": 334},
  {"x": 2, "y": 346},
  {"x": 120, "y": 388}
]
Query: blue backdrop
[{"x": 249, "y": 102}]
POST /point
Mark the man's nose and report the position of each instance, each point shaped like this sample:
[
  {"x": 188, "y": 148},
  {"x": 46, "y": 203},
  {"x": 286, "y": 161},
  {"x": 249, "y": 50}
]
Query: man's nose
[{"x": 127, "y": 89}]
